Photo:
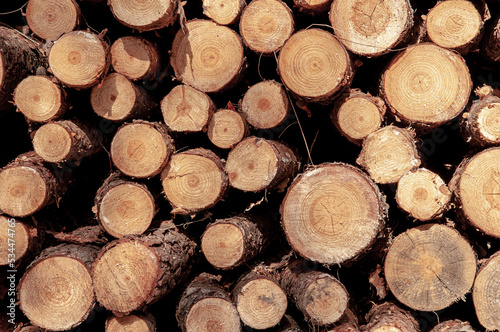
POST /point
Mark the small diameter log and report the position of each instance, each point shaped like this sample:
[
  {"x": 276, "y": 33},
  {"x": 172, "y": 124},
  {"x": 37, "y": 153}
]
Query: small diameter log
[
  {"x": 186, "y": 109},
  {"x": 332, "y": 213},
  {"x": 389, "y": 317},
  {"x": 423, "y": 194},
  {"x": 347, "y": 323},
  {"x": 141, "y": 149},
  {"x": 124, "y": 207},
  {"x": 139, "y": 322},
  {"x": 389, "y": 153},
  {"x": 40, "y": 99},
  {"x": 371, "y": 28},
  {"x": 49, "y": 19},
  {"x": 55, "y": 292},
  {"x": 485, "y": 293},
  {"x": 313, "y": 7},
  {"x": 453, "y": 326},
  {"x": 481, "y": 125},
  {"x": 207, "y": 56},
  {"x": 18, "y": 241},
  {"x": 79, "y": 59},
  {"x": 227, "y": 128},
  {"x": 265, "y": 105},
  {"x": 135, "y": 58},
  {"x": 65, "y": 141},
  {"x": 194, "y": 180},
  {"x": 144, "y": 15},
  {"x": 134, "y": 272},
  {"x": 426, "y": 86},
  {"x": 228, "y": 243},
  {"x": 256, "y": 164},
  {"x": 476, "y": 186},
  {"x": 223, "y": 12},
  {"x": 320, "y": 297},
  {"x": 265, "y": 25},
  {"x": 314, "y": 65},
  {"x": 430, "y": 267},
  {"x": 205, "y": 306},
  {"x": 455, "y": 24},
  {"x": 259, "y": 299},
  {"x": 118, "y": 99},
  {"x": 490, "y": 45},
  {"x": 358, "y": 115}
]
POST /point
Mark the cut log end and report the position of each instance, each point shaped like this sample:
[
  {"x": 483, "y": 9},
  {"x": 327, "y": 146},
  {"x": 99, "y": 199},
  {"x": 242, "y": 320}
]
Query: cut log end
[
  {"x": 226, "y": 128},
  {"x": 13, "y": 230},
  {"x": 135, "y": 58},
  {"x": 49, "y": 19},
  {"x": 313, "y": 7},
  {"x": 453, "y": 326},
  {"x": 213, "y": 314},
  {"x": 52, "y": 142},
  {"x": 223, "y": 245},
  {"x": 144, "y": 15},
  {"x": 387, "y": 317},
  {"x": 482, "y": 123},
  {"x": 131, "y": 323},
  {"x": 484, "y": 293},
  {"x": 223, "y": 12}
]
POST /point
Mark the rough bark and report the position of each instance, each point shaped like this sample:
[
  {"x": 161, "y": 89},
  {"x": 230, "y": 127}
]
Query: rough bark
[{"x": 388, "y": 316}]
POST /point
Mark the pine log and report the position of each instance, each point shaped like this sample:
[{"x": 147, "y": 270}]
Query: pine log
[
  {"x": 139, "y": 322},
  {"x": 49, "y": 19},
  {"x": 205, "y": 306},
  {"x": 223, "y": 12},
  {"x": 389, "y": 153},
  {"x": 56, "y": 292},
  {"x": 313, "y": 7},
  {"x": 371, "y": 28},
  {"x": 453, "y": 326},
  {"x": 141, "y": 149},
  {"x": 455, "y": 24},
  {"x": 332, "y": 213},
  {"x": 186, "y": 109},
  {"x": 39, "y": 99},
  {"x": 259, "y": 299},
  {"x": 145, "y": 15},
  {"x": 430, "y": 267},
  {"x": 347, "y": 323},
  {"x": 423, "y": 194},
  {"x": 490, "y": 45},
  {"x": 207, "y": 56},
  {"x": 79, "y": 59},
  {"x": 18, "y": 241},
  {"x": 83, "y": 235},
  {"x": 135, "y": 58},
  {"x": 426, "y": 86},
  {"x": 194, "y": 180},
  {"x": 227, "y": 128},
  {"x": 320, "y": 297},
  {"x": 389, "y": 317},
  {"x": 134, "y": 272},
  {"x": 118, "y": 99},
  {"x": 256, "y": 164},
  {"x": 357, "y": 115},
  {"x": 124, "y": 207},
  {"x": 265, "y": 25},
  {"x": 314, "y": 65},
  {"x": 485, "y": 293},
  {"x": 265, "y": 105}
]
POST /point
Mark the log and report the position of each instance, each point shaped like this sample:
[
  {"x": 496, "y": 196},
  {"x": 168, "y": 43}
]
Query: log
[
  {"x": 223, "y": 12},
  {"x": 265, "y": 25},
  {"x": 79, "y": 59},
  {"x": 135, "y": 58},
  {"x": 484, "y": 293},
  {"x": 423, "y": 194},
  {"x": 265, "y": 105},
  {"x": 430, "y": 267},
  {"x": 56, "y": 292},
  {"x": 227, "y": 128},
  {"x": 347, "y": 323},
  {"x": 139, "y": 322},
  {"x": 141, "y": 149},
  {"x": 194, "y": 180},
  {"x": 389, "y": 317},
  {"x": 186, "y": 109},
  {"x": 19, "y": 240},
  {"x": 453, "y": 326},
  {"x": 118, "y": 99},
  {"x": 134, "y": 272},
  {"x": 371, "y": 28},
  {"x": 332, "y": 213},
  {"x": 389, "y": 153},
  {"x": 490, "y": 46},
  {"x": 49, "y": 19},
  {"x": 426, "y": 86},
  {"x": 320, "y": 297},
  {"x": 314, "y": 65},
  {"x": 205, "y": 306},
  {"x": 27, "y": 328},
  {"x": 357, "y": 115},
  {"x": 313, "y": 7},
  {"x": 124, "y": 207},
  {"x": 207, "y": 56},
  {"x": 144, "y": 16}
]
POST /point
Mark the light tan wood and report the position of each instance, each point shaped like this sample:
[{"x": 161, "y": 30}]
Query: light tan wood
[
  {"x": 484, "y": 293},
  {"x": 223, "y": 12},
  {"x": 490, "y": 47},
  {"x": 131, "y": 323},
  {"x": 453, "y": 326},
  {"x": 144, "y": 15},
  {"x": 388, "y": 317},
  {"x": 15, "y": 238},
  {"x": 49, "y": 19},
  {"x": 135, "y": 58},
  {"x": 313, "y": 7},
  {"x": 227, "y": 128}
]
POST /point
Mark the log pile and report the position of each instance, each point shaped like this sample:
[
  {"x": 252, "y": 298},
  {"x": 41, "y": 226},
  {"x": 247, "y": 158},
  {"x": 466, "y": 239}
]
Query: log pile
[{"x": 237, "y": 165}]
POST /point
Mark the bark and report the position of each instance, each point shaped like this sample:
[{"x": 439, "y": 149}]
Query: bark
[
  {"x": 483, "y": 293},
  {"x": 387, "y": 316}
]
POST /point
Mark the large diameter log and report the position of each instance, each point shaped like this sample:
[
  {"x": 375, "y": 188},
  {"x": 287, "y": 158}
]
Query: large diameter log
[
  {"x": 332, "y": 213},
  {"x": 223, "y": 12},
  {"x": 49, "y": 19},
  {"x": 18, "y": 241},
  {"x": 371, "y": 28},
  {"x": 453, "y": 326},
  {"x": 144, "y": 15},
  {"x": 135, "y": 58},
  {"x": 485, "y": 293},
  {"x": 134, "y": 272},
  {"x": 389, "y": 317},
  {"x": 139, "y": 322},
  {"x": 205, "y": 306},
  {"x": 426, "y": 86},
  {"x": 227, "y": 128},
  {"x": 314, "y": 65},
  {"x": 55, "y": 292},
  {"x": 430, "y": 267},
  {"x": 207, "y": 56}
]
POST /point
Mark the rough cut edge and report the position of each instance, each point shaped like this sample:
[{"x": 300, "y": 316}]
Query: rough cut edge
[{"x": 389, "y": 315}]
